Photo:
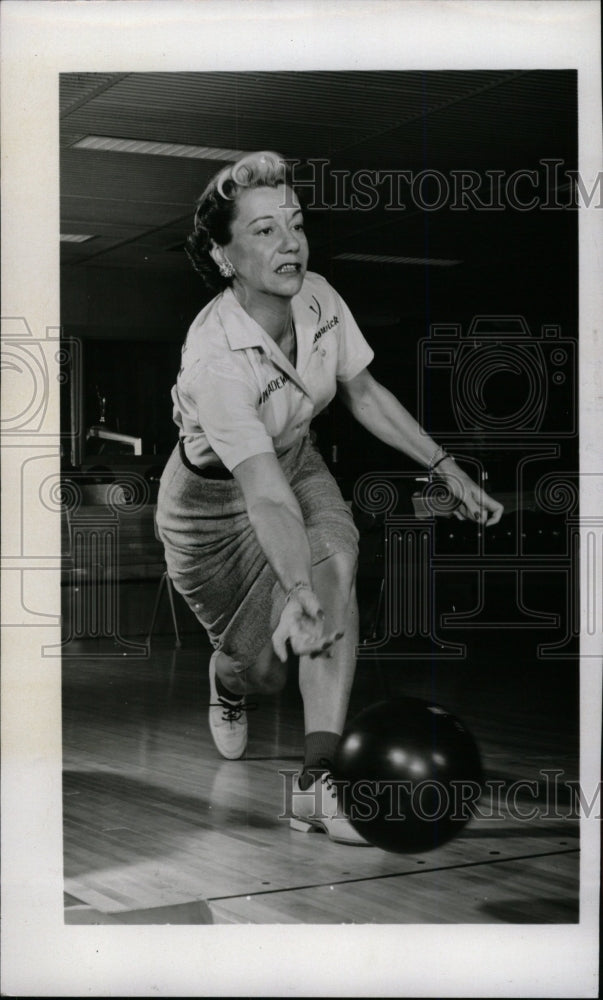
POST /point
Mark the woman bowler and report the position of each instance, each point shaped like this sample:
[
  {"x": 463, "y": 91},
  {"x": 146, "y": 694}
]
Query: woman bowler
[{"x": 257, "y": 536}]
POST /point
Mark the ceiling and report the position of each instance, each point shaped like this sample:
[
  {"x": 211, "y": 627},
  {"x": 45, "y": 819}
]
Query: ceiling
[{"x": 138, "y": 208}]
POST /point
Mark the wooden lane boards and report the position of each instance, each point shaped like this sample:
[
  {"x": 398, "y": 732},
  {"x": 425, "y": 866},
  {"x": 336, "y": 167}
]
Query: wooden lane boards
[
  {"x": 536, "y": 890},
  {"x": 395, "y": 875}
]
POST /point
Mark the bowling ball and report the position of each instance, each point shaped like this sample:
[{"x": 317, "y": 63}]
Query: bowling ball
[{"x": 408, "y": 774}]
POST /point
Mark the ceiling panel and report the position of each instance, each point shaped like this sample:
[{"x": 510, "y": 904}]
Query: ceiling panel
[
  {"x": 87, "y": 172},
  {"x": 373, "y": 100},
  {"x": 79, "y": 88},
  {"x": 299, "y": 113},
  {"x": 120, "y": 211},
  {"x": 75, "y": 252},
  {"x": 137, "y": 256},
  {"x": 292, "y": 137},
  {"x": 119, "y": 231},
  {"x": 138, "y": 206}
]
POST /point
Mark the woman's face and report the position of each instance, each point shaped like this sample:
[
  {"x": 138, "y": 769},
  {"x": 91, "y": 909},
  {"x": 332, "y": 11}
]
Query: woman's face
[{"x": 268, "y": 248}]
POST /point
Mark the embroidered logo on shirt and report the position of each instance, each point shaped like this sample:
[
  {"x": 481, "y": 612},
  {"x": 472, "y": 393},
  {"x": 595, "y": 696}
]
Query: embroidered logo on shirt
[
  {"x": 326, "y": 326},
  {"x": 273, "y": 385},
  {"x": 318, "y": 310}
]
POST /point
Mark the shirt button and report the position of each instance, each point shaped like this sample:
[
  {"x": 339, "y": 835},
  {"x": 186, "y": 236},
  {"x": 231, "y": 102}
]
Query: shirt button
[{"x": 323, "y": 351}]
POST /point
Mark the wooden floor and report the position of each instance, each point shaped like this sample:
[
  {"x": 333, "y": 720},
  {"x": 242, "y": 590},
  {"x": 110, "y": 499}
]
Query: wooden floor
[{"x": 159, "y": 829}]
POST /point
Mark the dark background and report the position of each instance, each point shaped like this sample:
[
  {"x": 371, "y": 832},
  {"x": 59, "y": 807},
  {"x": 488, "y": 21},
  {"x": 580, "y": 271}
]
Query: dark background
[{"x": 129, "y": 293}]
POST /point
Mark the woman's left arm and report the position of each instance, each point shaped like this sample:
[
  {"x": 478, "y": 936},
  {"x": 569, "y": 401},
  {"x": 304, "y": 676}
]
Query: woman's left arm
[{"x": 377, "y": 409}]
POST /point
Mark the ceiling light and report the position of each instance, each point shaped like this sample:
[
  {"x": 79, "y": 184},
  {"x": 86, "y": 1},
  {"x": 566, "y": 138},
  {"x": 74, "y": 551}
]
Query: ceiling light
[
  {"x": 74, "y": 238},
  {"x": 110, "y": 144},
  {"x": 381, "y": 258}
]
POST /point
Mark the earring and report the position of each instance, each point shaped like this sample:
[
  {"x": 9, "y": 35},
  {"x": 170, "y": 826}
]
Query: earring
[{"x": 226, "y": 269}]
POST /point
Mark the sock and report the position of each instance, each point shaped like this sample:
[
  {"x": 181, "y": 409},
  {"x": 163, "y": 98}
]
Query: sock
[
  {"x": 319, "y": 752},
  {"x": 223, "y": 691}
]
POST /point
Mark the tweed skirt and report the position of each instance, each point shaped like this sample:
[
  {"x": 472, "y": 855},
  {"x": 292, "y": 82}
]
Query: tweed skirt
[{"x": 214, "y": 559}]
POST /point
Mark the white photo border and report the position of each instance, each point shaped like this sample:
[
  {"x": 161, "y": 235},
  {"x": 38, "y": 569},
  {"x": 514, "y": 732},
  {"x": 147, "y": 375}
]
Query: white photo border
[{"x": 41, "y": 955}]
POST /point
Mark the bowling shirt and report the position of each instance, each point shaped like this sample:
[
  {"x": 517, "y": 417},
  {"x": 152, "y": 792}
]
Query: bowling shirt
[{"x": 237, "y": 395}]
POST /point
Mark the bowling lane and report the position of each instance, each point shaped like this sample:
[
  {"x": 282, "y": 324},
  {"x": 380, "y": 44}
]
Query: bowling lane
[
  {"x": 530, "y": 890},
  {"x": 133, "y": 843},
  {"x": 154, "y": 818}
]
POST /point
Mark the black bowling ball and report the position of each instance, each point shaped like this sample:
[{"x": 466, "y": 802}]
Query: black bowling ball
[{"x": 410, "y": 774}]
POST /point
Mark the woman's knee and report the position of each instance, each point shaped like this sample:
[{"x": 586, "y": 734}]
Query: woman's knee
[
  {"x": 268, "y": 675},
  {"x": 231, "y": 672},
  {"x": 338, "y": 573},
  {"x": 275, "y": 679}
]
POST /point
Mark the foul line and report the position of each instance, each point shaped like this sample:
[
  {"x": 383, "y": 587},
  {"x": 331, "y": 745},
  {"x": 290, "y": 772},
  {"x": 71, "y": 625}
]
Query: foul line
[{"x": 375, "y": 878}]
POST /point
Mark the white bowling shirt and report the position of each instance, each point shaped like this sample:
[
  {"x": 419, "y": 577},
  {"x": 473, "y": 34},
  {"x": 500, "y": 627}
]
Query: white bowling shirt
[{"x": 237, "y": 395}]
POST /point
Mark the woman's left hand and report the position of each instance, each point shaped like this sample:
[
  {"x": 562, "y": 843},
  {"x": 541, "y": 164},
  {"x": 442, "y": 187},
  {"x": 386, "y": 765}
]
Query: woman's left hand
[{"x": 473, "y": 502}]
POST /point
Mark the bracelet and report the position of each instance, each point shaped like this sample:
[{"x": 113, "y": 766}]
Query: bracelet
[
  {"x": 439, "y": 451},
  {"x": 300, "y": 585},
  {"x": 440, "y": 460},
  {"x": 433, "y": 464}
]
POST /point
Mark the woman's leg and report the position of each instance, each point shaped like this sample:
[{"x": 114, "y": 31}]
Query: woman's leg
[
  {"x": 266, "y": 676},
  {"x": 326, "y": 681},
  {"x": 229, "y": 682}
]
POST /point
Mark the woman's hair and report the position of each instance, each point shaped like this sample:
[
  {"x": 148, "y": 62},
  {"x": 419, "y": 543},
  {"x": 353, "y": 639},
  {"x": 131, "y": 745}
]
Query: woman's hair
[{"x": 217, "y": 205}]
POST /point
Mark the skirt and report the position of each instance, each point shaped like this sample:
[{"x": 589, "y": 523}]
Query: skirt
[{"x": 215, "y": 561}]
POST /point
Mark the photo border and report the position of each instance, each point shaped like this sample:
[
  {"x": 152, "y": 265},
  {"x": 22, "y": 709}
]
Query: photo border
[{"x": 41, "y": 955}]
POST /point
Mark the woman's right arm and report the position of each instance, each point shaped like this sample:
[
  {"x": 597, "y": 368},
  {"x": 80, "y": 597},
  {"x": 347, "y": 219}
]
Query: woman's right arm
[{"x": 277, "y": 520}]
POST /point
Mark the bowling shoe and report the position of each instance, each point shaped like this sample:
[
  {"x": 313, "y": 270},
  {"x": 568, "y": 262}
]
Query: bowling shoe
[
  {"x": 227, "y": 719},
  {"x": 317, "y": 808}
]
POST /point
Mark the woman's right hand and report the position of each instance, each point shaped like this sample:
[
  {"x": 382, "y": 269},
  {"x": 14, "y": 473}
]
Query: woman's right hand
[{"x": 302, "y": 626}]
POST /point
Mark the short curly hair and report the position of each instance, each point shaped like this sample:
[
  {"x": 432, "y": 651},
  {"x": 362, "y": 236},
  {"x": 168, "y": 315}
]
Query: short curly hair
[{"x": 216, "y": 208}]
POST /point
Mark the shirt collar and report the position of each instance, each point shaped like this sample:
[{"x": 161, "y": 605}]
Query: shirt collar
[
  {"x": 240, "y": 328},
  {"x": 242, "y": 331}
]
